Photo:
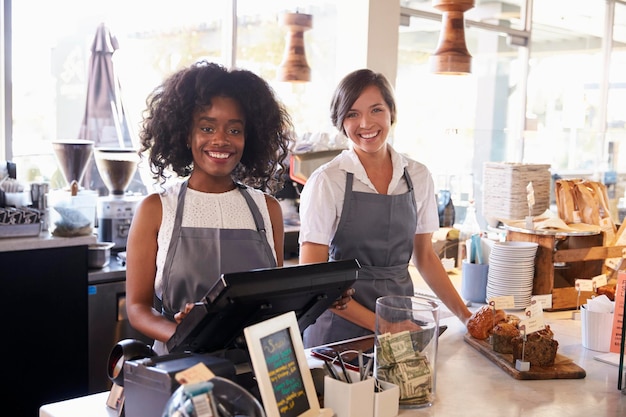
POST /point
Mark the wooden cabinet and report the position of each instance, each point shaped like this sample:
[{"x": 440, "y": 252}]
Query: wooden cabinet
[{"x": 561, "y": 259}]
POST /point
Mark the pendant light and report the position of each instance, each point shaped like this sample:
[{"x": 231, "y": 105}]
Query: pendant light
[
  {"x": 451, "y": 56},
  {"x": 294, "y": 67}
]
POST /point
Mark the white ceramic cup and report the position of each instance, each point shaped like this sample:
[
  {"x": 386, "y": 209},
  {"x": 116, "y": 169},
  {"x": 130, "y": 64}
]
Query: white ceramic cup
[{"x": 596, "y": 329}]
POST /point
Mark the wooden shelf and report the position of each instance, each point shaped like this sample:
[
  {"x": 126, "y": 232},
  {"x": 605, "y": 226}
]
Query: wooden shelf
[{"x": 561, "y": 259}]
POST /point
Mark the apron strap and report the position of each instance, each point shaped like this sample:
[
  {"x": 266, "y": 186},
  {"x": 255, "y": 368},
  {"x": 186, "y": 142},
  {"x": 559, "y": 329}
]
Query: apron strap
[
  {"x": 258, "y": 221},
  {"x": 178, "y": 221},
  {"x": 346, "y": 202}
]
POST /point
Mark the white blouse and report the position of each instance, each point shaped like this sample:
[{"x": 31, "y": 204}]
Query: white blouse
[
  {"x": 224, "y": 211},
  {"x": 321, "y": 201}
]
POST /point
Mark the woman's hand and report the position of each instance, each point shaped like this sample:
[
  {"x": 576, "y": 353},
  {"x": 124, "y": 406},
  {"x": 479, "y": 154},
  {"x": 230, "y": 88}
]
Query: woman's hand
[
  {"x": 341, "y": 303},
  {"x": 182, "y": 314}
]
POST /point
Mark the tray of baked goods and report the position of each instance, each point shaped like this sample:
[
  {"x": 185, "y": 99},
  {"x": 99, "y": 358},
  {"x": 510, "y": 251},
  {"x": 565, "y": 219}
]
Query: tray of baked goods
[{"x": 495, "y": 334}]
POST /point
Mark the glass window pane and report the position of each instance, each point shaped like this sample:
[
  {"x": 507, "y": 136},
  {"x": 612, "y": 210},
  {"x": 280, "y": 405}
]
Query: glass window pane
[
  {"x": 455, "y": 123},
  {"x": 506, "y": 13},
  {"x": 564, "y": 104},
  {"x": 616, "y": 117},
  {"x": 260, "y": 47},
  {"x": 50, "y": 70}
]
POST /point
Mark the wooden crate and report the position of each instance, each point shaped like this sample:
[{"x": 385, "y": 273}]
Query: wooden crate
[{"x": 562, "y": 259}]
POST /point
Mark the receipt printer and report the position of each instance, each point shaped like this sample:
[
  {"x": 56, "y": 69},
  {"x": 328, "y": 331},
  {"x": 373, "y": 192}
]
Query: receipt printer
[{"x": 149, "y": 382}]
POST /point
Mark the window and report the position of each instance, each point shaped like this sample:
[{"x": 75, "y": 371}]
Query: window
[
  {"x": 519, "y": 105},
  {"x": 49, "y": 70},
  {"x": 547, "y": 108},
  {"x": 455, "y": 123}
]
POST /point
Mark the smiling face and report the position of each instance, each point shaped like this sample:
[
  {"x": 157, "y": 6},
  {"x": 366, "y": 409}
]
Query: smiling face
[
  {"x": 217, "y": 142},
  {"x": 368, "y": 121}
]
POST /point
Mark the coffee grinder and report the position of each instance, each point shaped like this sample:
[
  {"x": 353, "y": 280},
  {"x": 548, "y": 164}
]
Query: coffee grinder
[
  {"x": 116, "y": 166},
  {"x": 77, "y": 203}
]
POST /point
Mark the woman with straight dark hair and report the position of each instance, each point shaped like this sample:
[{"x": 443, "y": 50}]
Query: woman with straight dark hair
[{"x": 372, "y": 204}]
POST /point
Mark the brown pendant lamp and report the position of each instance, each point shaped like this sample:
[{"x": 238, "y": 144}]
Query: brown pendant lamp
[
  {"x": 451, "y": 56},
  {"x": 294, "y": 67}
]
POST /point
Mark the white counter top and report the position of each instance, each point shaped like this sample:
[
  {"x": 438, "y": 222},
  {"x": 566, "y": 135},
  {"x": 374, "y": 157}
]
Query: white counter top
[
  {"x": 469, "y": 384},
  {"x": 89, "y": 406},
  {"x": 44, "y": 241}
]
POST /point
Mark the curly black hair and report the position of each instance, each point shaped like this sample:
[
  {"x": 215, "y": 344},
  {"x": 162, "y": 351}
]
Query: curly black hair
[{"x": 170, "y": 109}]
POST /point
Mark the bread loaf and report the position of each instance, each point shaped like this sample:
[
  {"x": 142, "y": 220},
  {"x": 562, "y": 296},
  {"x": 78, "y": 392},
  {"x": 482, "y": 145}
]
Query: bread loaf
[
  {"x": 502, "y": 336},
  {"x": 483, "y": 320},
  {"x": 540, "y": 349}
]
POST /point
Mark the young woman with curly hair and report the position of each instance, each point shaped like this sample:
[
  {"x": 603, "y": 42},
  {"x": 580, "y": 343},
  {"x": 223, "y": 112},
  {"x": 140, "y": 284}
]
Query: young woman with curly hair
[{"x": 225, "y": 134}]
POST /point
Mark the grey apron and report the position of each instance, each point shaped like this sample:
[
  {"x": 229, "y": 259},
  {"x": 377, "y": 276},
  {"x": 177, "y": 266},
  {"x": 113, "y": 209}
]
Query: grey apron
[
  {"x": 378, "y": 230},
  {"x": 198, "y": 256}
]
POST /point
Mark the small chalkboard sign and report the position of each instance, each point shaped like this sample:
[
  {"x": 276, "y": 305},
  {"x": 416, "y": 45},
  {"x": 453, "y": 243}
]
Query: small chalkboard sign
[{"x": 281, "y": 369}]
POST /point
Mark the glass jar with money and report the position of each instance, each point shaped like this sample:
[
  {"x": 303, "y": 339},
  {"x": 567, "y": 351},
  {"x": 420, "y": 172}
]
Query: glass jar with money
[{"x": 406, "y": 347}]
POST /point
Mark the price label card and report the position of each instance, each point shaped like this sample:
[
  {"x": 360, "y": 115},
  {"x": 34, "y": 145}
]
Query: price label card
[
  {"x": 583, "y": 285},
  {"x": 544, "y": 299},
  {"x": 531, "y": 325},
  {"x": 599, "y": 280},
  {"x": 533, "y": 318},
  {"x": 533, "y": 310},
  {"x": 502, "y": 302},
  {"x": 197, "y": 373}
]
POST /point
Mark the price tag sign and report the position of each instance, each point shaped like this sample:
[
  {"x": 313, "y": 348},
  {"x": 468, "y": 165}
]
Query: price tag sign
[
  {"x": 197, "y": 373},
  {"x": 583, "y": 285},
  {"x": 502, "y": 302},
  {"x": 534, "y": 310},
  {"x": 599, "y": 280},
  {"x": 544, "y": 299},
  {"x": 533, "y": 318}
]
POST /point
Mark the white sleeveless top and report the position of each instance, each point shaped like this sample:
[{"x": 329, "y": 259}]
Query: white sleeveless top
[{"x": 223, "y": 211}]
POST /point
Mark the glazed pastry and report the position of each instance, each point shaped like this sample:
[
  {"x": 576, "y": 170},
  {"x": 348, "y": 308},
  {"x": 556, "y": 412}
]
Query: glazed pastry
[
  {"x": 608, "y": 290},
  {"x": 481, "y": 323}
]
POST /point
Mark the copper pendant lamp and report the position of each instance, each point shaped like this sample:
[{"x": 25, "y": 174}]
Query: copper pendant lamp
[
  {"x": 294, "y": 66},
  {"x": 451, "y": 56}
]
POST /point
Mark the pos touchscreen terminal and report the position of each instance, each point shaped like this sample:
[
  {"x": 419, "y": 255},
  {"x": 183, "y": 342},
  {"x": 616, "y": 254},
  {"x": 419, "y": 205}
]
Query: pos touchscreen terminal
[{"x": 241, "y": 299}]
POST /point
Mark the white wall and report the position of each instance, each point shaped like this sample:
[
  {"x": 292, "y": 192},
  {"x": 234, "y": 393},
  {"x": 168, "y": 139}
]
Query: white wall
[{"x": 376, "y": 22}]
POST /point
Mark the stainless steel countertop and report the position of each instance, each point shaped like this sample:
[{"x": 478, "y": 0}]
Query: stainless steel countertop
[{"x": 114, "y": 271}]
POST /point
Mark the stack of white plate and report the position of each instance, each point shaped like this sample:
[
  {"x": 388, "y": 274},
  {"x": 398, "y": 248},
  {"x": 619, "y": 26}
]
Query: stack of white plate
[{"x": 511, "y": 271}]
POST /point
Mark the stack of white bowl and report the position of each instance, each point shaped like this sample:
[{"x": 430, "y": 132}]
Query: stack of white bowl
[{"x": 511, "y": 271}]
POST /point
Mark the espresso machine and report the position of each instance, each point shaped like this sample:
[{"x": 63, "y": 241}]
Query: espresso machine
[{"x": 116, "y": 166}]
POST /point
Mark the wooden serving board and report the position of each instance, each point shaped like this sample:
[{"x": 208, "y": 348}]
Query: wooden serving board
[{"x": 563, "y": 368}]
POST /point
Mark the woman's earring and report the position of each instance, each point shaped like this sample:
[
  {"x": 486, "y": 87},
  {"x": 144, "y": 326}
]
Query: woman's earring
[{"x": 188, "y": 146}]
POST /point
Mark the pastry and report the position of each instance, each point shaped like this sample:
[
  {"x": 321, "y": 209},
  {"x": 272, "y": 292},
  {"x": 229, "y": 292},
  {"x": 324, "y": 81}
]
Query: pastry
[
  {"x": 540, "y": 349},
  {"x": 481, "y": 323},
  {"x": 502, "y": 335},
  {"x": 513, "y": 319},
  {"x": 608, "y": 290}
]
